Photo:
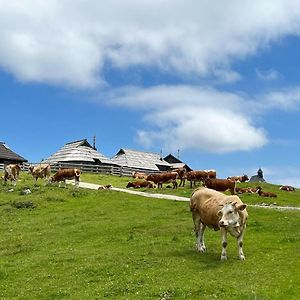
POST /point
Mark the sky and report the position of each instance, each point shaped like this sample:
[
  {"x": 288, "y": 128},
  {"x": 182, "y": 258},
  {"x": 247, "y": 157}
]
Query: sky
[{"x": 216, "y": 81}]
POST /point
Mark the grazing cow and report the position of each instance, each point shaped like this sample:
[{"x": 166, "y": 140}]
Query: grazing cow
[
  {"x": 63, "y": 174},
  {"x": 140, "y": 184},
  {"x": 261, "y": 193},
  {"x": 139, "y": 175},
  {"x": 287, "y": 188},
  {"x": 242, "y": 178},
  {"x": 165, "y": 177},
  {"x": 220, "y": 212},
  {"x": 181, "y": 175},
  {"x": 11, "y": 172},
  {"x": 220, "y": 185},
  {"x": 40, "y": 171}
]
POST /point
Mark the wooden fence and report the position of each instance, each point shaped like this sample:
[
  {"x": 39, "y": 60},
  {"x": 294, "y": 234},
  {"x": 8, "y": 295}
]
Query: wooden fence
[{"x": 86, "y": 168}]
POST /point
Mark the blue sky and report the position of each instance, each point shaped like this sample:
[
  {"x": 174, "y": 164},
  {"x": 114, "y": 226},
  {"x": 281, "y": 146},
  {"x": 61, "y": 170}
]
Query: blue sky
[{"x": 218, "y": 81}]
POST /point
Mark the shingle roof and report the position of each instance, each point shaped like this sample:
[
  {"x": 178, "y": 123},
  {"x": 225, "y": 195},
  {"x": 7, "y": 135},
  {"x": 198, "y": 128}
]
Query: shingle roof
[
  {"x": 139, "y": 159},
  {"x": 7, "y": 154},
  {"x": 80, "y": 151}
]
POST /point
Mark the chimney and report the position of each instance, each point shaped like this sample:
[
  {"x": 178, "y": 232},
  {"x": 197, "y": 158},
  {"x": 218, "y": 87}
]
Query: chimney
[{"x": 94, "y": 142}]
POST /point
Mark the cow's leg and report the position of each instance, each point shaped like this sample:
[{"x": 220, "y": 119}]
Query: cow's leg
[
  {"x": 224, "y": 244},
  {"x": 175, "y": 185},
  {"x": 240, "y": 244},
  {"x": 201, "y": 245}
]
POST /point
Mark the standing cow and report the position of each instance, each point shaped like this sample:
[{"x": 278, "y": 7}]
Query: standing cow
[
  {"x": 40, "y": 171},
  {"x": 220, "y": 212},
  {"x": 164, "y": 177},
  {"x": 220, "y": 185},
  {"x": 63, "y": 174},
  {"x": 11, "y": 172}
]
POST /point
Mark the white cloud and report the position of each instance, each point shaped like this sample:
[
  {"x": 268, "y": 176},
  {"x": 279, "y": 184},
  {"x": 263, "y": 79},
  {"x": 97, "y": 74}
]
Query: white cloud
[
  {"x": 68, "y": 42},
  {"x": 185, "y": 117},
  {"x": 267, "y": 75}
]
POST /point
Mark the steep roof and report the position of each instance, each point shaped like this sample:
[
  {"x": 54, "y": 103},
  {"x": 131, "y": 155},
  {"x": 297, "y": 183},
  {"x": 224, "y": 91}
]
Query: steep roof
[
  {"x": 139, "y": 160},
  {"x": 78, "y": 151},
  {"x": 176, "y": 163},
  {"x": 6, "y": 154}
]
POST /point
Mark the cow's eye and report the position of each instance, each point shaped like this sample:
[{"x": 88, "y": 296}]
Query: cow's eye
[{"x": 230, "y": 212}]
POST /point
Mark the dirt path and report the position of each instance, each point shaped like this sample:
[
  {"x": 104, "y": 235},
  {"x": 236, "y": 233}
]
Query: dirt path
[{"x": 171, "y": 197}]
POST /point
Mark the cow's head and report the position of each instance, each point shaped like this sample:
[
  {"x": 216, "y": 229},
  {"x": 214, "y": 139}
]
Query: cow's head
[
  {"x": 129, "y": 184},
  {"x": 229, "y": 214}
]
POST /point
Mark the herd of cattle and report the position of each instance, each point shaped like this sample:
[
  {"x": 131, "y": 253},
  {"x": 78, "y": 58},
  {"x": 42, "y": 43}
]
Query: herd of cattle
[
  {"x": 209, "y": 206},
  {"x": 208, "y": 178},
  {"x": 12, "y": 172}
]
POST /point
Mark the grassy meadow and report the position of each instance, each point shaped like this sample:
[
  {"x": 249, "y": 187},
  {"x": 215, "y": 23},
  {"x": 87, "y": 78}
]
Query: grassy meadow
[{"x": 68, "y": 243}]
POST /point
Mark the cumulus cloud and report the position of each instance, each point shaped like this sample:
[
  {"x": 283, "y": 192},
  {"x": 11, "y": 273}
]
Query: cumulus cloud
[
  {"x": 69, "y": 42},
  {"x": 185, "y": 117}
]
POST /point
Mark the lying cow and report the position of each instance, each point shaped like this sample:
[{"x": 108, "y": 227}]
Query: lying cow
[
  {"x": 140, "y": 184},
  {"x": 63, "y": 174},
  {"x": 165, "y": 177},
  {"x": 287, "y": 188},
  {"x": 40, "y": 171},
  {"x": 242, "y": 178},
  {"x": 220, "y": 185},
  {"x": 249, "y": 190},
  {"x": 220, "y": 212},
  {"x": 261, "y": 193},
  {"x": 139, "y": 175},
  {"x": 11, "y": 172}
]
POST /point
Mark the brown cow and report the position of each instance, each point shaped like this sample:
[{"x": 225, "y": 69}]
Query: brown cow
[
  {"x": 287, "y": 188},
  {"x": 140, "y": 184},
  {"x": 40, "y": 171},
  {"x": 194, "y": 176},
  {"x": 242, "y": 178},
  {"x": 261, "y": 193},
  {"x": 11, "y": 172},
  {"x": 220, "y": 185},
  {"x": 165, "y": 177},
  {"x": 63, "y": 174},
  {"x": 220, "y": 212},
  {"x": 139, "y": 175},
  {"x": 181, "y": 175}
]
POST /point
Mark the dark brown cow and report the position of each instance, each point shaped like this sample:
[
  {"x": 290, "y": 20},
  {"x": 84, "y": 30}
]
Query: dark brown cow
[
  {"x": 221, "y": 212},
  {"x": 140, "y": 184},
  {"x": 11, "y": 172},
  {"x": 242, "y": 178},
  {"x": 63, "y": 174},
  {"x": 287, "y": 188},
  {"x": 261, "y": 193},
  {"x": 165, "y": 177},
  {"x": 181, "y": 175},
  {"x": 220, "y": 185}
]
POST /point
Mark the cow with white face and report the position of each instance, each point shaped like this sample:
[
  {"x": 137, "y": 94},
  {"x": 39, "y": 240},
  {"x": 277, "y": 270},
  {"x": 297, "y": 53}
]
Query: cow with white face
[{"x": 221, "y": 212}]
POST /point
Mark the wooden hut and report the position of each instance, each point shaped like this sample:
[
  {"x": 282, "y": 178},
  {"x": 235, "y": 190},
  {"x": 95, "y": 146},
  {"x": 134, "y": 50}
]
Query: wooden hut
[
  {"x": 7, "y": 156},
  {"x": 78, "y": 152},
  {"x": 140, "y": 160},
  {"x": 176, "y": 163}
]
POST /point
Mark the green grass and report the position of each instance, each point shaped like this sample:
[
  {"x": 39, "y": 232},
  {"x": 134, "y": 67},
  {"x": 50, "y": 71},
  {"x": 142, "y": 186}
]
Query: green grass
[{"x": 83, "y": 244}]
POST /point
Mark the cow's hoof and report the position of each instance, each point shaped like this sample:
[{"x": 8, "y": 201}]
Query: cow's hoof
[
  {"x": 201, "y": 249},
  {"x": 223, "y": 257},
  {"x": 242, "y": 257}
]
